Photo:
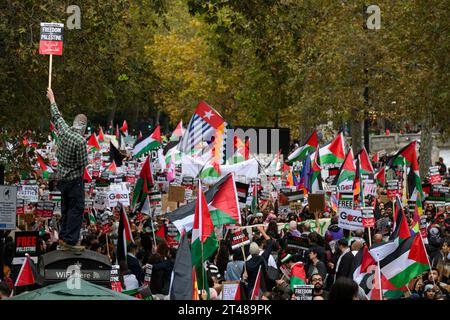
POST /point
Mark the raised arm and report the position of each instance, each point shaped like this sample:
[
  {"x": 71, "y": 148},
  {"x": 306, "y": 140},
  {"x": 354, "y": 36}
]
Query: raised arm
[{"x": 57, "y": 118}]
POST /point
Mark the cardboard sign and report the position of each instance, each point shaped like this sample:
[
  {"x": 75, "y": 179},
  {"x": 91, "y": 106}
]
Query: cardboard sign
[
  {"x": 368, "y": 219},
  {"x": 116, "y": 196},
  {"x": 166, "y": 205},
  {"x": 435, "y": 176},
  {"x": 316, "y": 202},
  {"x": 345, "y": 200},
  {"x": 393, "y": 188},
  {"x": 231, "y": 290},
  {"x": 29, "y": 193},
  {"x": 8, "y": 207},
  {"x": 45, "y": 209},
  {"x": 303, "y": 291},
  {"x": 239, "y": 239},
  {"x": 350, "y": 219},
  {"x": 51, "y": 38},
  {"x": 176, "y": 194}
]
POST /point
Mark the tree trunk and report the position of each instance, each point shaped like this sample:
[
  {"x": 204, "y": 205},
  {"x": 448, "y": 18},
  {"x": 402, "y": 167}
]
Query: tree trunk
[
  {"x": 426, "y": 145},
  {"x": 356, "y": 132}
]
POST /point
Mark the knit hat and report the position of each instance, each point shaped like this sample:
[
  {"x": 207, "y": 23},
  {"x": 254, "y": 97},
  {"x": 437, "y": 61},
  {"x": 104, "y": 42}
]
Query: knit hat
[{"x": 254, "y": 248}]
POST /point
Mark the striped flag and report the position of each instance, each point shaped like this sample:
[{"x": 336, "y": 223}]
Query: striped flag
[
  {"x": 204, "y": 124},
  {"x": 125, "y": 237}
]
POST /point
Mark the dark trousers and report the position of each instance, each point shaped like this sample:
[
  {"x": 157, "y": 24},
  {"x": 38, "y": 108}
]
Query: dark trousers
[{"x": 72, "y": 210}]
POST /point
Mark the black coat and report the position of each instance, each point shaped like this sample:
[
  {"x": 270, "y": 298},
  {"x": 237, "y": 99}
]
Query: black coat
[
  {"x": 346, "y": 266},
  {"x": 135, "y": 267}
]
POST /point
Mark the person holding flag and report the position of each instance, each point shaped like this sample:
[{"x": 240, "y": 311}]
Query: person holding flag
[{"x": 72, "y": 159}]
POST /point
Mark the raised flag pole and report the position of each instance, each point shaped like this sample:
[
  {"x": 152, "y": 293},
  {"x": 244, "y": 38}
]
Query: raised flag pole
[
  {"x": 50, "y": 71},
  {"x": 153, "y": 230},
  {"x": 379, "y": 280},
  {"x": 428, "y": 260}
]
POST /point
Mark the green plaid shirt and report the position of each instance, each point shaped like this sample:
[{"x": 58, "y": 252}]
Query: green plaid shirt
[{"x": 71, "y": 152}]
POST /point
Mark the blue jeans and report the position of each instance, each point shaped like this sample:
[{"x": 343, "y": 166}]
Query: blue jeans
[{"x": 72, "y": 210}]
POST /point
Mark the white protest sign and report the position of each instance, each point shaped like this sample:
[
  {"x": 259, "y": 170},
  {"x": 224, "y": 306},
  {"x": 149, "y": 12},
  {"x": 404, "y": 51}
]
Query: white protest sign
[
  {"x": 29, "y": 193},
  {"x": 8, "y": 199},
  {"x": 303, "y": 291},
  {"x": 101, "y": 201},
  {"x": 350, "y": 219},
  {"x": 231, "y": 290}
]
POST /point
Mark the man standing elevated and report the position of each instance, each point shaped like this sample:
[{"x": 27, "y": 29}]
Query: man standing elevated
[{"x": 72, "y": 159}]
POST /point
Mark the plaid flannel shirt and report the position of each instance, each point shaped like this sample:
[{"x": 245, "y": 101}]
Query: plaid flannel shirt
[{"x": 71, "y": 152}]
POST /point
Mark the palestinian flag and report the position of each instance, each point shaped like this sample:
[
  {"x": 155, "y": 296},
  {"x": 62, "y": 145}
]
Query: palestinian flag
[
  {"x": 347, "y": 171},
  {"x": 204, "y": 242},
  {"x": 177, "y": 133},
  {"x": 364, "y": 162},
  {"x": 112, "y": 168},
  {"x": 183, "y": 217},
  {"x": 408, "y": 261},
  {"x": 124, "y": 128},
  {"x": 334, "y": 152},
  {"x": 308, "y": 147},
  {"x": 28, "y": 274},
  {"x": 408, "y": 155},
  {"x": 151, "y": 142},
  {"x": 298, "y": 275},
  {"x": 363, "y": 266},
  {"x": 211, "y": 171},
  {"x": 143, "y": 184},
  {"x": 101, "y": 136},
  {"x": 161, "y": 233},
  {"x": 224, "y": 207},
  {"x": 316, "y": 177},
  {"x": 125, "y": 236},
  {"x": 86, "y": 176},
  {"x": 389, "y": 290},
  {"x": 400, "y": 234},
  {"x": 380, "y": 177},
  {"x": 257, "y": 292},
  {"x": 93, "y": 142},
  {"x": 45, "y": 169}
]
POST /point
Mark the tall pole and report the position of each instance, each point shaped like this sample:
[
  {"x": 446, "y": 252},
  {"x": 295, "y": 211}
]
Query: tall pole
[
  {"x": 366, "y": 94},
  {"x": 50, "y": 64}
]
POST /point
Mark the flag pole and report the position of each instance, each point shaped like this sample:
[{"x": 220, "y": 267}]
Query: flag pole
[
  {"x": 370, "y": 236},
  {"x": 428, "y": 260},
  {"x": 153, "y": 231},
  {"x": 379, "y": 277},
  {"x": 50, "y": 72}
]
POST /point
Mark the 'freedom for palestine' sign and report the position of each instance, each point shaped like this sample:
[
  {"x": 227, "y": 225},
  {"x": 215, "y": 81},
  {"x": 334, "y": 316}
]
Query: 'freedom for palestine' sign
[{"x": 51, "y": 38}]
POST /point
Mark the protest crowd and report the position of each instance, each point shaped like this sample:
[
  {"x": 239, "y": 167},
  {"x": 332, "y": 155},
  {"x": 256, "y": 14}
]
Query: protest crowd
[{"x": 175, "y": 216}]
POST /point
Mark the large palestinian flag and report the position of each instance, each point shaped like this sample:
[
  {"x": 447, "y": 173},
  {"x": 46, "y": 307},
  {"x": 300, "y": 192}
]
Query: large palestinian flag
[
  {"x": 125, "y": 237},
  {"x": 408, "y": 261},
  {"x": 224, "y": 207},
  {"x": 309, "y": 147},
  {"x": 334, "y": 152}
]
